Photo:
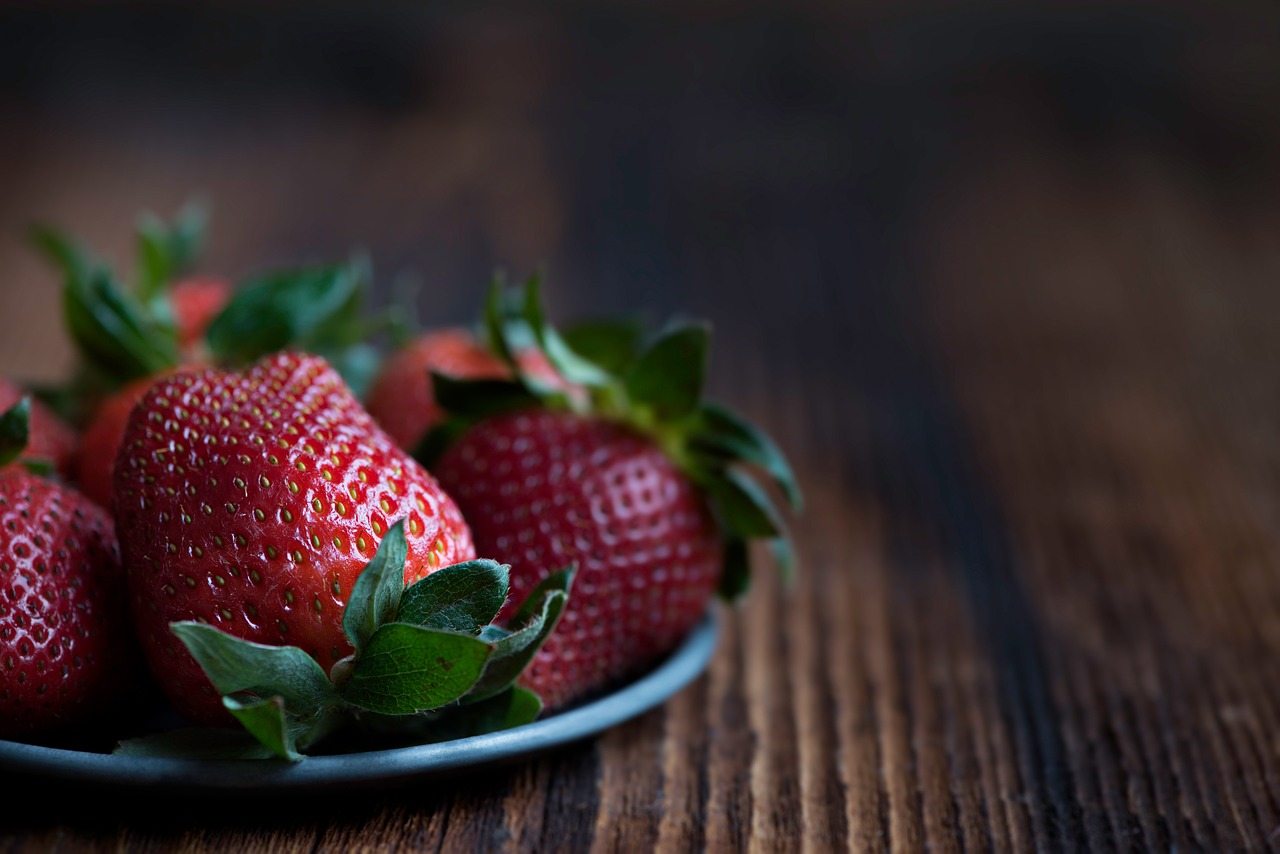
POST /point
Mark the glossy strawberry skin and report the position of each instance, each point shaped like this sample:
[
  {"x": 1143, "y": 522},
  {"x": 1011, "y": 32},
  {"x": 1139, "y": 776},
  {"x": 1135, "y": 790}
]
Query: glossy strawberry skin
[
  {"x": 543, "y": 490},
  {"x": 51, "y": 438},
  {"x": 401, "y": 398},
  {"x": 66, "y": 647},
  {"x": 251, "y": 501}
]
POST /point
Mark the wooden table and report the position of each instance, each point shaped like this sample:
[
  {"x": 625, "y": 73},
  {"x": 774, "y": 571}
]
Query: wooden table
[{"x": 1005, "y": 288}]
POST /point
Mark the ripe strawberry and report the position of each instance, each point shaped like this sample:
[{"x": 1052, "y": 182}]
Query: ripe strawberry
[
  {"x": 50, "y": 439},
  {"x": 195, "y": 302},
  {"x": 251, "y": 500},
  {"x": 100, "y": 441},
  {"x": 401, "y": 398},
  {"x": 66, "y": 647},
  {"x": 544, "y": 489},
  {"x": 637, "y": 486}
]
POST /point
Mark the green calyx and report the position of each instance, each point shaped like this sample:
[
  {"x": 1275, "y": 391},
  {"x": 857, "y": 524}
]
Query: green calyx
[
  {"x": 650, "y": 380},
  {"x": 121, "y": 331},
  {"x": 15, "y": 432},
  {"x": 124, "y": 328},
  {"x": 318, "y": 309},
  {"x": 429, "y": 663}
]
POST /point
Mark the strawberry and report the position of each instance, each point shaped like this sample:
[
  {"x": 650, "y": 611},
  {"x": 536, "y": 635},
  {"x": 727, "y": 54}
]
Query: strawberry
[
  {"x": 401, "y": 398},
  {"x": 195, "y": 302},
  {"x": 51, "y": 439},
  {"x": 171, "y": 320},
  {"x": 642, "y": 486},
  {"x": 100, "y": 441},
  {"x": 66, "y": 648},
  {"x": 251, "y": 500}
]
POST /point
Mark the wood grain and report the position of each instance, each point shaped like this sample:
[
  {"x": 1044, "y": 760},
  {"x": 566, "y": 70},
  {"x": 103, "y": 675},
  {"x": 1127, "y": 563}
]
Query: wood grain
[{"x": 1022, "y": 358}]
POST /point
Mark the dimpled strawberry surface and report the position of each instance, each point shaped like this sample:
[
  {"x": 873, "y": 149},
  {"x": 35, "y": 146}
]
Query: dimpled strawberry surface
[
  {"x": 64, "y": 641},
  {"x": 251, "y": 501},
  {"x": 543, "y": 490}
]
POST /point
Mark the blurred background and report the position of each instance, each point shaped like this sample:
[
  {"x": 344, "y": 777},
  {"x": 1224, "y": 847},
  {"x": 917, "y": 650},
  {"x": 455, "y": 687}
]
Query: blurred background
[
  {"x": 788, "y": 170},
  {"x": 1001, "y": 278}
]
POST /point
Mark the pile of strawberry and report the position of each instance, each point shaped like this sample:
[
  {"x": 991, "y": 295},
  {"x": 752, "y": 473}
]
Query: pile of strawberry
[{"x": 241, "y": 502}]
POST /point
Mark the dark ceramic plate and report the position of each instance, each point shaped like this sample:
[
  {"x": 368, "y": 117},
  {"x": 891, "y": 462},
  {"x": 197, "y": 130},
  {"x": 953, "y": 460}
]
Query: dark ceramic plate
[{"x": 378, "y": 766}]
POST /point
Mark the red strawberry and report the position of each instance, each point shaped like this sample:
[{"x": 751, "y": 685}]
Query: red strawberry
[
  {"x": 66, "y": 647},
  {"x": 251, "y": 501},
  {"x": 401, "y": 398},
  {"x": 50, "y": 438},
  {"x": 638, "y": 487},
  {"x": 195, "y": 302},
  {"x": 546, "y": 489},
  {"x": 100, "y": 441}
]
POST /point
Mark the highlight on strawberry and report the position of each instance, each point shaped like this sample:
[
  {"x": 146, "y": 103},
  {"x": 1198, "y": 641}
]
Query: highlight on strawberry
[
  {"x": 652, "y": 492},
  {"x": 266, "y": 505},
  {"x": 67, "y": 652}
]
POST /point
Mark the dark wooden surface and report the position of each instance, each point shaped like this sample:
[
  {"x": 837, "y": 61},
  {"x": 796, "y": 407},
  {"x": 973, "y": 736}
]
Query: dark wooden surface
[{"x": 1004, "y": 283}]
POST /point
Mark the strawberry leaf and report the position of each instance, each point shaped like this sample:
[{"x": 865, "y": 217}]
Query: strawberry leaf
[
  {"x": 212, "y": 743},
  {"x": 480, "y": 398},
  {"x": 113, "y": 331},
  {"x": 611, "y": 344},
  {"x": 375, "y": 597},
  {"x": 528, "y": 628},
  {"x": 743, "y": 507},
  {"x": 735, "y": 577},
  {"x": 461, "y": 598},
  {"x": 406, "y": 669},
  {"x": 725, "y": 433},
  {"x": 15, "y": 430},
  {"x": 516, "y": 706},
  {"x": 266, "y": 721},
  {"x": 167, "y": 251},
  {"x": 784, "y": 556},
  {"x": 571, "y": 366},
  {"x": 311, "y": 308},
  {"x": 235, "y": 665},
  {"x": 667, "y": 376}
]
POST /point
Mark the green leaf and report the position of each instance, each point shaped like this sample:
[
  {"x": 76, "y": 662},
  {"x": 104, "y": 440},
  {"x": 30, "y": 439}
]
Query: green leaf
[
  {"x": 744, "y": 508},
  {"x": 376, "y": 594},
  {"x": 357, "y": 363},
  {"x": 735, "y": 577},
  {"x": 61, "y": 250},
  {"x": 209, "y": 743},
  {"x": 575, "y": 369},
  {"x": 726, "y": 433},
  {"x": 438, "y": 440},
  {"x": 529, "y": 627},
  {"x": 461, "y": 598},
  {"x": 667, "y": 376},
  {"x": 479, "y": 398},
  {"x": 235, "y": 665},
  {"x": 406, "y": 669},
  {"x": 611, "y": 344},
  {"x": 516, "y": 706},
  {"x": 167, "y": 251},
  {"x": 307, "y": 309},
  {"x": 15, "y": 430},
  {"x": 265, "y": 720},
  {"x": 784, "y": 556},
  {"x": 497, "y": 316},
  {"x": 113, "y": 331}
]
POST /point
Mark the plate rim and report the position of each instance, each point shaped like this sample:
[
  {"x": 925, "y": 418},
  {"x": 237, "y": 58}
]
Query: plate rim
[{"x": 384, "y": 766}]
